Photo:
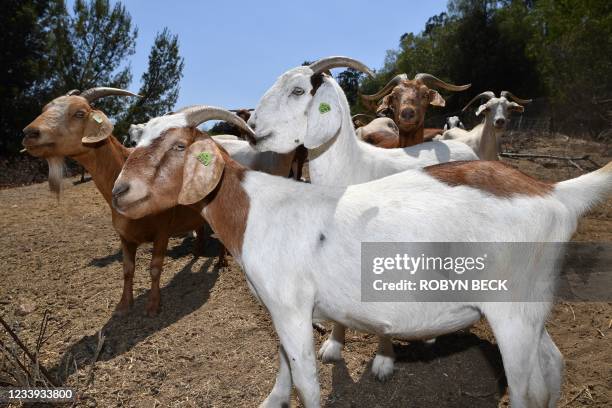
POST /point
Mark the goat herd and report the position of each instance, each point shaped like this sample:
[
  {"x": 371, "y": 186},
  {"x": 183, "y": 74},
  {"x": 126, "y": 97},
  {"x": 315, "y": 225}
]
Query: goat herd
[{"x": 299, "y": 243}]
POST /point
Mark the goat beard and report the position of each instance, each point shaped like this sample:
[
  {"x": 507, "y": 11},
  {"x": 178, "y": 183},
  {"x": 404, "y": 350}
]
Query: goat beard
[{"x": 56, "y": 174}]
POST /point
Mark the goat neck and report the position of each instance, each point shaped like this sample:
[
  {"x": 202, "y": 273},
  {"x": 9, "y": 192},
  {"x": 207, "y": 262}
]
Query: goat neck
[
  {"x": 104, "y": 163},
  {"x": 411, "y": 137},
  {"x": 489, "y": 141},
  {"x": 332, "y": 162},
  {"x": 226, "y": 209}
]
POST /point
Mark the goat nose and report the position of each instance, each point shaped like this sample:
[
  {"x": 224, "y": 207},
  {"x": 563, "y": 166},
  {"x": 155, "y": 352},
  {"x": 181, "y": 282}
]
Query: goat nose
[
  {"x": 500, "y": 122},
  {"x": 407, "y": 113},
  {"x": 31, "y": 133},
  {"x": 120, "y": 188}
]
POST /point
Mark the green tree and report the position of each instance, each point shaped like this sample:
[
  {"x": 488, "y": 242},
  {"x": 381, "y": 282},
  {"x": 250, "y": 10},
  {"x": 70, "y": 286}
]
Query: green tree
[
  {"x": 159, "y": 84},
  {"x": 23, "y": 62},
  {"x": 90, "y": 48},
  {"x": 572, "y": 43}
]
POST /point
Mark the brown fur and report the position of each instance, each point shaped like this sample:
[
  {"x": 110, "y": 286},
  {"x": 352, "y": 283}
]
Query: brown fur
[
  {"x": 104, "y": 161},
  {"x": 409, "y": 94},
  {"x": 227, "y": 208},
  {"x": 494, "y": 177},
  {"x": 386, "y": 140}
]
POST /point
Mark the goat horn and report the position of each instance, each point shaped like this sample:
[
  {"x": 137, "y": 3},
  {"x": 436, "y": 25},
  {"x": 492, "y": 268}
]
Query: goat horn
[
  {"x": 487, "y": 94},
  {"x": 387, "y": 88},
  {"x": 431, "y": 81},
  {"x": 73, "y": 92},
  {"x": 99, "y": 92},
  {"x": 362, "y": 116},
  {"x": 336, "y": 62},
  {"x": 507, "y": 94},
  {"x": 238, "y": 110},
  {"x": 201, "y": 113}
]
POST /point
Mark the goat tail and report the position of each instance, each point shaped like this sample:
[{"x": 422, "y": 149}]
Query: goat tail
[{"x": 582, "y": 193}]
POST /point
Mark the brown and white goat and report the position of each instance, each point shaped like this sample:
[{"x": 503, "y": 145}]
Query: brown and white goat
[
  {"x": 70, "y": 127},
  {"x": 406, "y": 100}
]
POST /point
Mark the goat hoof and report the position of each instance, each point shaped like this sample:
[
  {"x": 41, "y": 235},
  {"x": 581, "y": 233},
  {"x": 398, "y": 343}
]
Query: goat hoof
[
  {"x": 382, "y": 367},
  {"x": 122, "y": 308},
  {"x": 331, "y": 350},
  {"x": 274, "y": 401},
  {"x": 152, "y": 310}
]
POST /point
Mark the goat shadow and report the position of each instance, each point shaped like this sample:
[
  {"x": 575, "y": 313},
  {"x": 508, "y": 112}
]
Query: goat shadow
[
  {"x": 459, "y": 370},
  {"x": 186, "y": 292}
]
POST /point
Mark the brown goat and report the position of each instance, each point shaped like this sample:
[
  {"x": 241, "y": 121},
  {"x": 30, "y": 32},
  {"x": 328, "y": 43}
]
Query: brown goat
[
  {"x": 406, "y": 102},
  {"x": 70, "y": 127}
]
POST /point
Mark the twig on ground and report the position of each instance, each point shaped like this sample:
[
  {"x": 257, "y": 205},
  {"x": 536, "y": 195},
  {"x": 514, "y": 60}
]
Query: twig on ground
[
  {"x": 101, "y": 339},
  {"x": 33, "y": 358},
  {"x": 541, "y": 156}
]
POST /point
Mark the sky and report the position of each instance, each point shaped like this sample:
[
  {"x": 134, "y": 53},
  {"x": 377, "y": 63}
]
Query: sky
[{"x": 235, "y": 50}]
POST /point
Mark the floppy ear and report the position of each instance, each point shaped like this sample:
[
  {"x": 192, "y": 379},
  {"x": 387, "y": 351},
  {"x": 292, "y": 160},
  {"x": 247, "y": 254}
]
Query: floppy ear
[
  {"x": 324, "y": 115},
  {"x": 481, "y": 109},
  {"x": 98, "y": 127},
  {"x": 202, "y": 171},
  {"x": 385, "y": 109},
  {"x": 515, "y": 107},
  {"x": 435, "y": 98}
]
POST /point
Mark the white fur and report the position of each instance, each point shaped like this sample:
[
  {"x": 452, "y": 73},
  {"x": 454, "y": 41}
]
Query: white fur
[
  {"x": 453, "y": 122},
  {"x": 484, "y": 138},
  {"x": 337, "y": 157},
  {"x": 156, "y": 126},
  {"x": 314, "y": 279}
]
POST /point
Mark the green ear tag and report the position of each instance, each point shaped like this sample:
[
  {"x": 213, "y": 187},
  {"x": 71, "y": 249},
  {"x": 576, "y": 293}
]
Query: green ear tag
[
  {"x": 97, "y": 117},
  {"x": 324, "y": 107},
  {"x": 205, "y": 158}
]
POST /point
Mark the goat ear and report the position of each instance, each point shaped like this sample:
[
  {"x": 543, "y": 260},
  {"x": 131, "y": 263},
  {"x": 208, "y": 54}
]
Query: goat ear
[
  {"x": 98, "y": 127},
  {"x": 481, "y": 109},
  {"x": 202, "y": 171},
  {"x": 515, "y": 107},
  {"x": 385, "y": 109},
  {"x": 435, "y": 98},
  {"x": 324, "y": 115}
]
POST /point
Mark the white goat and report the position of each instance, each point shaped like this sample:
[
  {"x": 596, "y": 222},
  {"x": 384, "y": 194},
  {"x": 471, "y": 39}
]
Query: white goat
[
  {"x": 317, "y": 274},
  {"x": 453, "y": 122},
  {"x": 485, "y": 138},
  {"x": 305, "y": 98}
]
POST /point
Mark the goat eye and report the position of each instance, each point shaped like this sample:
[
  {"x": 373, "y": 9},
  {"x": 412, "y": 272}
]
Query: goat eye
[
  {"x": 79, "y": 114},
  {"x": 180, "y": 147},
  {"x": 297, "y": 91}
]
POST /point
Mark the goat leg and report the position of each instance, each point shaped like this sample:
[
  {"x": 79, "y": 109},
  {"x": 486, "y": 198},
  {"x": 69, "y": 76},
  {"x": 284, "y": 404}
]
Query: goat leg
[
  {"x": 157, "y": 263},
  {"x": 128, "y": 250}
]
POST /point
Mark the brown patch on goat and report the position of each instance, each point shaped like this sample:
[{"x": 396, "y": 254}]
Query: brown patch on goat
[
  {"x": 226, "y": 209},
  {"x": 385, "y": 140},
  {"x": 497, "y": 178}
]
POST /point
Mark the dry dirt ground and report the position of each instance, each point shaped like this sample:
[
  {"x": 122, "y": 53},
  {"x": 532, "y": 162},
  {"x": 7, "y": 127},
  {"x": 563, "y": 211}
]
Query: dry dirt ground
[{"x": 213, "y": 345}]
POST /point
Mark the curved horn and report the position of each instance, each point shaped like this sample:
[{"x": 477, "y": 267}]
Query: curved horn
[
  {"x": 362, "y": 116},
  {"x": 431, "y": 81},
  {"x": 238, "y": 110},
  {"x": 99, "y": 92},
  {"x": 487, "y": 94},
  {"x": 387, "y": 88},
  {"x": 507, "y": 94},
  {"x": 336, "y": 62},
  {"x": 201, "y": 113},
  {"x": 73, "y": 92}
]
